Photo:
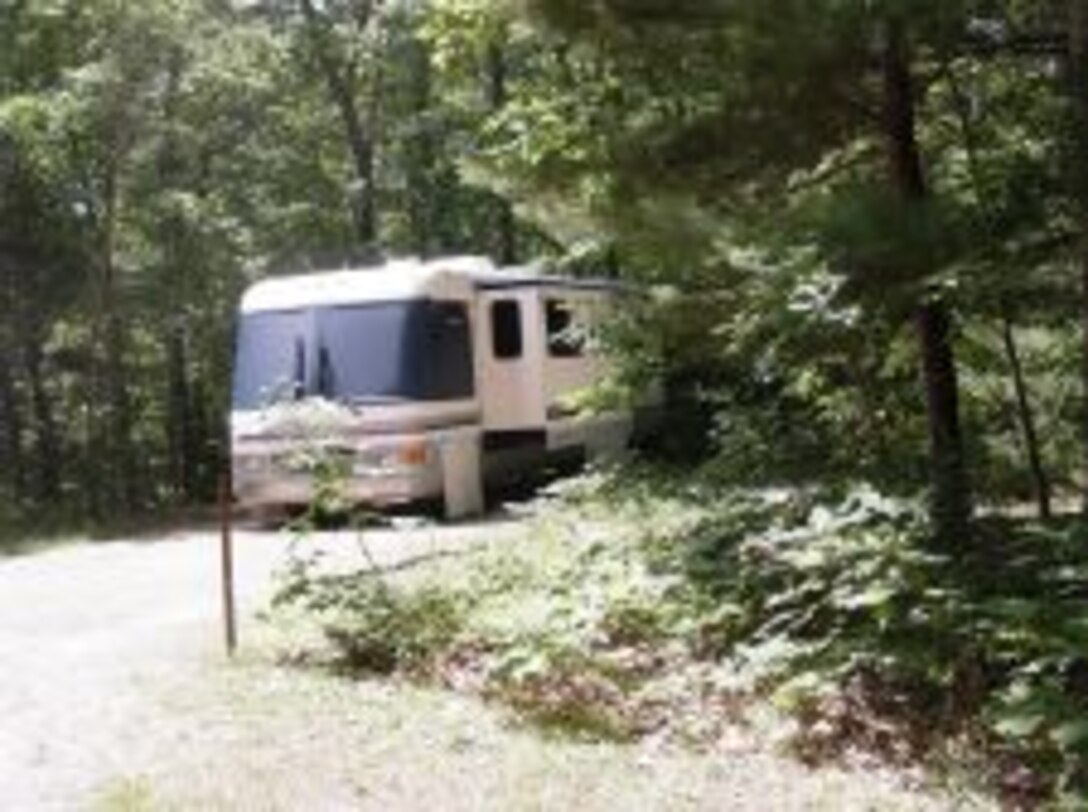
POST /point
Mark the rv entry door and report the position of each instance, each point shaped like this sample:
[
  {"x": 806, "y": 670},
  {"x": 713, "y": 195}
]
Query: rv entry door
[{"x": 511, "y": 342}]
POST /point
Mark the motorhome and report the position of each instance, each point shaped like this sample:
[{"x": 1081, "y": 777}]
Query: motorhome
[{"x": 426, "y": 380}]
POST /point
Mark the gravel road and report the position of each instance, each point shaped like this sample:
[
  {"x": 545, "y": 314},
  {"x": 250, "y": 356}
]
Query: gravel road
[{"x": 85, "y": 629}]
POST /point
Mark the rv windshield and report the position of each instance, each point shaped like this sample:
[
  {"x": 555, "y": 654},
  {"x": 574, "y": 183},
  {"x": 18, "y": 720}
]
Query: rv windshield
[
  {"x": 418, "y": 350},
  {"x": 270, "y": 360}
]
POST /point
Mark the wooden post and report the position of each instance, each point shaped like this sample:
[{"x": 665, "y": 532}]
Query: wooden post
[{"x": 227, "y": 561}]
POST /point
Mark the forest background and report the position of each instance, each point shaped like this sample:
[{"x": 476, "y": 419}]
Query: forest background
[
  {"x": 862, "y": 229},
  {"x": 869, "y": 218}
]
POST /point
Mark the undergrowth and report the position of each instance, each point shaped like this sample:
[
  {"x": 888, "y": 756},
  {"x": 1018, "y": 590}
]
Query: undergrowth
[{"x": 643, "y": 607}]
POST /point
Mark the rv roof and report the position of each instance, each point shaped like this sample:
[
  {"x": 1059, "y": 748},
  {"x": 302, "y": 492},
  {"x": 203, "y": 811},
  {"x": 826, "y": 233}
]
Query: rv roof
[{"x": 453, "y": 278}]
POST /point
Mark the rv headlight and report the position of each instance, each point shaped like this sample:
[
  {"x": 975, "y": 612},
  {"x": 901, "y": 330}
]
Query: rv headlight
[
  {"x": 408, "y": 454},
  {"x": 412, "y": 453}
]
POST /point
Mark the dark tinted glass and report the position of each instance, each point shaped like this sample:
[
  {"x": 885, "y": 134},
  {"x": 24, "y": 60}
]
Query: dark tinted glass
[
  {"x": 370, "y": 352},
  {"x": 416, "y": 350},
  {"x": 565, "y": 338},
  {"x": 506, "y": 329},
  {"x": 270, "y": 358},
  {"x": 447, "y": 353}
]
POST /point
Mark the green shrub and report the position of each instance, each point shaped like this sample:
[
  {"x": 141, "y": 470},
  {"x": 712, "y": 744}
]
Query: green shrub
[
  {"x": 637, "y": 603},
  {"x": 376, "y": 627}
]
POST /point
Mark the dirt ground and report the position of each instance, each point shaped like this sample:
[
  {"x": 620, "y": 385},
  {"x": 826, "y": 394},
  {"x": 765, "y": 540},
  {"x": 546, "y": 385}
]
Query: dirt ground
[
  {"x": 115, "y": 695},
  {"x": 86, "y": 630}
]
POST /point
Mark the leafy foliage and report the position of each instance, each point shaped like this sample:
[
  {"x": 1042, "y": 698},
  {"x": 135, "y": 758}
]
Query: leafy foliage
[
  {"x": 154, "y": 159},
  {"x": 661, "y": 606},
  {"x": 378, "y": 629}
]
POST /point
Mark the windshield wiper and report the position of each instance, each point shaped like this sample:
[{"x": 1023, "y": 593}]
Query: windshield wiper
[
  {"x": 300, "y": 368},
  {"x": 326, "y": 375},
  {"x": 282, "y": 390}
]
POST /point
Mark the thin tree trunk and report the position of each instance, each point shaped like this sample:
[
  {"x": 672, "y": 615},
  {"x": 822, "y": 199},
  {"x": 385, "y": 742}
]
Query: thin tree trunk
[
  {"x": 360, "y": 143},
  {"x": 950, "y": 503},
  {"x": 423, "y": 208},
  {"x": 121, "y": 419},
  {"x": 210, "y": 441},
  {"x": 1025, "y": 416},
  {"x": 507, "y": 248},
  {"x": 1078, "y": 171},
  {"x": 1027, "y": 421},
  {"x": 179, "y": 415},
  {"x": 116, "y": 375},
  {"x": 1084, "y": 368},
  {"x": 46, "y": 442},
  {"x": 11, "y": 430},
  {"x": 95, "y": 488}
]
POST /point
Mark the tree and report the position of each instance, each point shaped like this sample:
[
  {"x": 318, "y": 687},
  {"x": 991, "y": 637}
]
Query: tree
[
  {"x": 722, "y": 107},
  {"x": 340, "y": 72},
  {"x": 154, "y": 158}
]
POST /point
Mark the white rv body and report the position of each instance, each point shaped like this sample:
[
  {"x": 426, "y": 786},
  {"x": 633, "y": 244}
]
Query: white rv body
[{"x": 424, "y": 379}]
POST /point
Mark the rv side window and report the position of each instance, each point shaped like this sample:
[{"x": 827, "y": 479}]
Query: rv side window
[
  {"x": 408, "y": 350},
  {"x": 449, "y": 351},
  {"x": 566, "y": 338},
  {"x": 506, "y": 342}
]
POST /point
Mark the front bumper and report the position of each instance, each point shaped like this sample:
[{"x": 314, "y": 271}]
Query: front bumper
[{"x": 367, "y": 475}]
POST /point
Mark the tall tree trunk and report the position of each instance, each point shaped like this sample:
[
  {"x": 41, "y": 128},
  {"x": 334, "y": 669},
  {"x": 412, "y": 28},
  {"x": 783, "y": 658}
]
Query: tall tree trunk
[
  {"x": 1025, "y": 417},
  {"x": 423, "y": 207},
  {"x": 210, "y": 441},
  {"x": 176, "y": 407},
  {"x": 46, "y": 442},
  {"x": 121, "y": 421},
  {"x": 11, "y": 429},
  {"x": 1027, "y": 420},
  {"x": 120, "y": 403},
  {"x": 1078, "y": 171},
  {"x": 360, "y": 143},
  {"x": 180, "y": 428},
  {"x": 950, "y": 502},
  {"x": 507, "y": 233},
  {"x": 95, "y": 487}
]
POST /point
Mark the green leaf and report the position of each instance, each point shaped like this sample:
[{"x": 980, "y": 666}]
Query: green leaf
[
  {"x": 1020, "y": 725},
  {"x": 1072, "y": 735}
]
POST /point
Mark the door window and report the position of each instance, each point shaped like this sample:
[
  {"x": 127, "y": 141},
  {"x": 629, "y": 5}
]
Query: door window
[
  {"x": 566, "y": 337},
  {"x": 506, "y": 332}
]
